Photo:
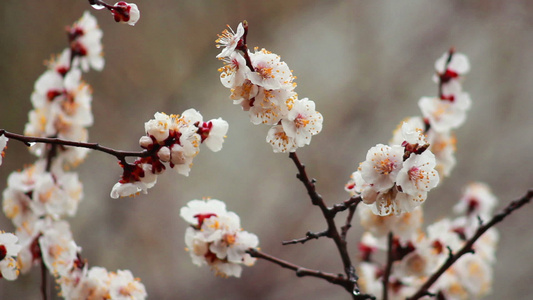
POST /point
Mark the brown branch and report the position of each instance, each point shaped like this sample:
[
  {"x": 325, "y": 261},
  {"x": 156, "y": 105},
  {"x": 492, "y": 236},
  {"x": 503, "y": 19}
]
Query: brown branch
[
  {"x": 99, "y": 2},
  {"x": 346, "y": 204},
  {"x": 308, "y": 236},
  {"x": 388, "y": 267},
  {"x": 300, "y": 271},
  {"x": 338, "y": 279},
  {"x": 329, "y": 214},
  {"x": 348, "y": 223},
  {"x": 28, "y": 140},
  {"x": 244, "y": 47},
  {"x": 467, "y": 248}
]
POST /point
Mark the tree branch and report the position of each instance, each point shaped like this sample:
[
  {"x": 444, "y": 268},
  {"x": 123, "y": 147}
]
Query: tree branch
[
  {"x": 28, "y": 140},
  {"x": 338, "y": 279},
  {"x": 329, "y": 214},
  {"x": 348, "y": 223},
  {"x": 346, "y": 204},
  {"x": 308, "y": 236},
  {"x": 300, "y": 271},
  {"x": 467, "y": 248}
]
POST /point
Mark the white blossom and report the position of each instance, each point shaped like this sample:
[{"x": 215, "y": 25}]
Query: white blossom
[
  {"x": 302, "y": 122},
  {"x": 229, "y": 40},
  {"x": 270, "y": 72},
  {"x": 270, "y": 106},
  {"x": 158, "y": 127},
  {"x": 458, "y": 63},
  {"x": 123, "y": 286},
  {"x": 244, "y": 94},
  {"x": 475, "y": 274},
  {"x": 381, "y": 166},
  {"x": 194, "y": 208},
  {"x": 58, "y": 249},
  {"x": 234, "y": 71},
  {"x": 216, "y": 238},
  {"x": 214, "y": 131},
  {"x": 414, "y": 126},
  {"x": 280, "y": 141},
  {"x": 9, "y": 249},
  {"x": 443, "y": 114},
  {"x": 418, "y": 174},
  {"x": 86, "y": 43},
  {"x": 125, "y": 188},
  {"x": 443, "y": 145},
  {"x": 403, "y": 226},
  {"x": 477, "y": 200}
]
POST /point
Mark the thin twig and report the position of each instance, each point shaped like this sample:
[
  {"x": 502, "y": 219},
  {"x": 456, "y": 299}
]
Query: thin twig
[
  {"x": 348, "y": 223},
  {"x": 28, "y": 140},
  {"x": 388, "y": 267},
  {"x": 308, "y": 236},
  {"x": 467, "y": 248},
  {"x": 300, "y": 271},
  {"x": 99, "y": 2},
  {"x": 338, "y": 279},
  {"x": 346, "y": 204}
]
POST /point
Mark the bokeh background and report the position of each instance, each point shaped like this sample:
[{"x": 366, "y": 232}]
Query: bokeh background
[{"x": 364, "y": 63}]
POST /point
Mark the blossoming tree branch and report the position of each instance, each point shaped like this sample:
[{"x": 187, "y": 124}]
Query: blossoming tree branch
[{"x": 449, "y": 259}]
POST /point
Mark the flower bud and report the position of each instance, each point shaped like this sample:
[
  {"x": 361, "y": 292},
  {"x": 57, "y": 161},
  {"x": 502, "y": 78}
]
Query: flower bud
[
  {"x": 145, "y": 142},
  {"x": 126, "y": 13},
  {"x": 164, "y": 154}
]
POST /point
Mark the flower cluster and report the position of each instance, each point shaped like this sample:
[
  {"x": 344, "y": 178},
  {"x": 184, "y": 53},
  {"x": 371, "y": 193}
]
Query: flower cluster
[
  {"x": 396, "y": 178},
  {"x": 38, "y": 197},
  {"x": 172, "y": 140},
  {"x": 416, "y": 254},
  {"x": 264, "y": 86},
  {"x": 61, "y": 100},
  {"x": 97, "y": 283},
  {"x": 216, "y": 238},
  {"x": 34, "y": 193},
  {"x": 447, "y": 111}
]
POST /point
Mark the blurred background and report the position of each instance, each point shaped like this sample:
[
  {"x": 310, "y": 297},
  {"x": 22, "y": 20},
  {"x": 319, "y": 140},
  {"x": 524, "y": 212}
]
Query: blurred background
[{"x": 365, "y": 64}]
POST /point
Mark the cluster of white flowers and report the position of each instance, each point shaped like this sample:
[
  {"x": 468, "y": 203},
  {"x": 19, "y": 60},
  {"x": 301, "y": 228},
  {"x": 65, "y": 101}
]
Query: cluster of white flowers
[
  {"x": 85, "y": 39},
  {"x": 417, "y": 254},
  {"x": 447, "y": 111},
  {"x": 396, "y": 178},
  {"x": 38, "y": 197},
  {"x": 216, "y": 238},
  {"x": 264, "y": 86},
  {"x": 61, "y": 100},
  {"x": 97, "y": 283},
  {"x": 34, "y": 193},
  {"x": 171, "y": 139},
  {"x": 123, "y": 12}
]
